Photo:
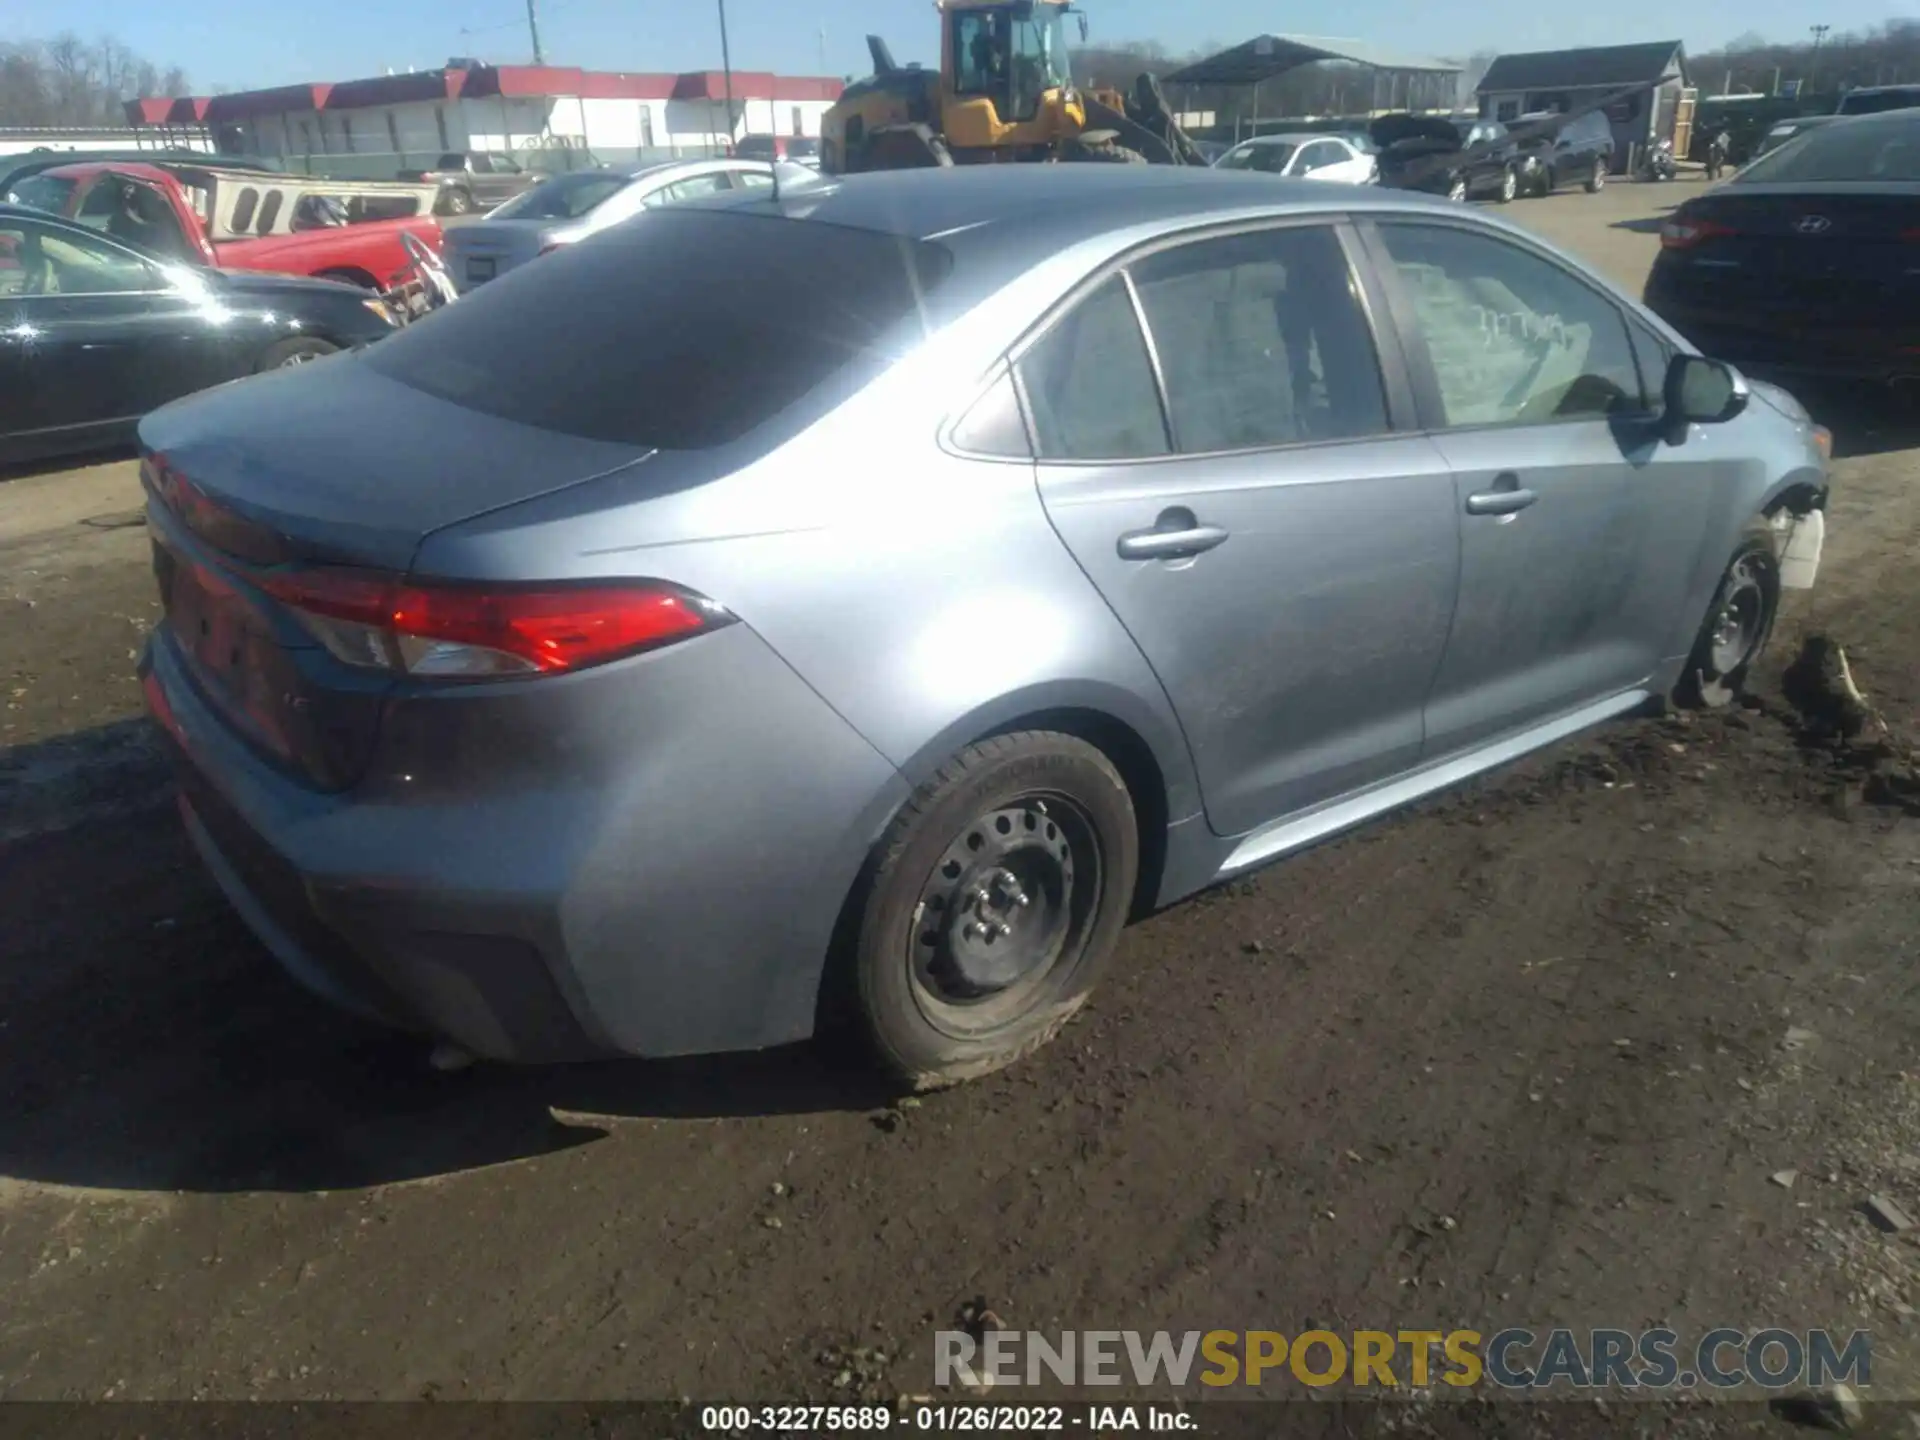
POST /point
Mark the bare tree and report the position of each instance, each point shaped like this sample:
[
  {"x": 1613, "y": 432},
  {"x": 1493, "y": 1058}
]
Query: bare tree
[
  {"x": 1884, "y": 54},
  {"x": 65, "y": 81}
]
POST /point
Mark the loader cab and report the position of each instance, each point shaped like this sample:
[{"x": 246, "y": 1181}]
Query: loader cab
[{"x": 1007, "y": 72}]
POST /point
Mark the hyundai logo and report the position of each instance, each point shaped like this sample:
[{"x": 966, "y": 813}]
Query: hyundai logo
[{"x": 1813, "y": 224}]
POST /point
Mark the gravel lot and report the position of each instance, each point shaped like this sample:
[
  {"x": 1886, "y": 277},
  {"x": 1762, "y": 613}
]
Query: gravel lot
[{"x": 1528, "y": 1055}]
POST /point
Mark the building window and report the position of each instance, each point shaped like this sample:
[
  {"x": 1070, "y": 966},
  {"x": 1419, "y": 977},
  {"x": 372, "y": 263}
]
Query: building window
[
  {"x": 1507, "y": 110},
  {"x": 799, "y": 122}
]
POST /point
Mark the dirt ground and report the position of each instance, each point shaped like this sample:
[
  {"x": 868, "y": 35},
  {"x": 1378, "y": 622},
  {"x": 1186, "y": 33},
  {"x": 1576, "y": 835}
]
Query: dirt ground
[{"x": 1526, "y": 1056}]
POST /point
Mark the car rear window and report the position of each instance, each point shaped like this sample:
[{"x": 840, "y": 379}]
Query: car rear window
[
  {"x": 679, "y": 330},
  {"x": 1844, "y": 150},
  {"x": 565, "y": 197},
  {"x": 1873, "y": 102}
]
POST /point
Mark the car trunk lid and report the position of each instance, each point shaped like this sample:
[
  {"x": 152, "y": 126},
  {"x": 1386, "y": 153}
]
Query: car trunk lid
[
  {"x": 254, "y": 481},
  {"x": 477, "y": 252},
  {"x": 1819, "y": 249}
]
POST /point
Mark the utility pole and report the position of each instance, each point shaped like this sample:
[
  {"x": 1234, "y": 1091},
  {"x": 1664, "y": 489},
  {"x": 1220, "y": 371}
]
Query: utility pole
[
  {"x": 533, "y": 29},
  {"x": 823, "y": 50},
  {"x": 1813, "y": 67},
  {"x": 726, "y": 68}
]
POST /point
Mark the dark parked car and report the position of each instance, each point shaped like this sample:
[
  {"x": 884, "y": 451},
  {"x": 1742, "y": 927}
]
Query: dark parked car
[
  {"x": 93, "y": 333},
  {"x": 1863, "y": 100},
  {"x": 1578, "y": 151},
  {"x": 1804, "y": 263},
  {"x": 475, "y": 180},
  {"x": 1461, "y": 158},
  {"x": 595, "y": 668}
]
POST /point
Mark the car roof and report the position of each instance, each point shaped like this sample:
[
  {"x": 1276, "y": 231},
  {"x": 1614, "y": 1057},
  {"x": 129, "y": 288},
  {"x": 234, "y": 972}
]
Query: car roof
[
  {"x": 1285, "y": 137},
  {"x": 999, "y": 221}
]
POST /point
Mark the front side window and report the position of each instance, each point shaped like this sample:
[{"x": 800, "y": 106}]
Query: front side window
[
  {"x": 1514, "y": 339},
  {"x": 1262, "y": 341},
  {"x": 72, "y": 265},
  {"x": 692, "y": 188},
  {"x": 1090, "y": 386}
]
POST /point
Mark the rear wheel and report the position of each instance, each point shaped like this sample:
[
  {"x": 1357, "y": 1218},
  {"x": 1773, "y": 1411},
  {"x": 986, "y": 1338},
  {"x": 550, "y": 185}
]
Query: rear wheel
[
  {"x": 298, "y": 351},
  {"x": 1457, "y": 188},
  {"x": 999, "y": 891},
  {"x": 457, "y": 202},
  {"x": 1739, "y": 622},
  {"x": 1597, "y": 181},
  {"x": 1509, "y": 185}
]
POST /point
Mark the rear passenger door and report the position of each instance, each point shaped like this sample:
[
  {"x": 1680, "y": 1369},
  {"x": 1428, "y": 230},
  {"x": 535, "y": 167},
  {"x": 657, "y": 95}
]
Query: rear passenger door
[{"x": 1220, "y": 446}]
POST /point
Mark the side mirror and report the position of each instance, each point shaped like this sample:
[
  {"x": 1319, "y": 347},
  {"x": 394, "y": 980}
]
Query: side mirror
[{"x": 1699, "y": 391}]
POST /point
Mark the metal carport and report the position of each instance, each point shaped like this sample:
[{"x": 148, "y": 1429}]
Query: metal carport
[{"x": 1266, "y": 56}]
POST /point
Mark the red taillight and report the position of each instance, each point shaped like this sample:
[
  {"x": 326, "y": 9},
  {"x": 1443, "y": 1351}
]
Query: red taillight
[
  {"x": 1680, "y": 233},
  {"x": 475, "y": 632}
]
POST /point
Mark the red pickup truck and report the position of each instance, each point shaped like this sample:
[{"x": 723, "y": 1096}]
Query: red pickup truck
[{"x": 244, "y": 220}]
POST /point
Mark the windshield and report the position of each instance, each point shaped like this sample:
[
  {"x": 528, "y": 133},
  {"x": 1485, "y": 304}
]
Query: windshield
[
  {"x": 1872, "y": 151},
  {"x": 565, "y": 197},
  {"x": 43, "y": 192},
  {"x": 1873, "y": 102},
  {"x": 1270, "y": 158}
]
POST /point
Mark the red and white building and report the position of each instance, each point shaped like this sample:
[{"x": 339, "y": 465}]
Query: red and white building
[{"x": 615, "y": 114}]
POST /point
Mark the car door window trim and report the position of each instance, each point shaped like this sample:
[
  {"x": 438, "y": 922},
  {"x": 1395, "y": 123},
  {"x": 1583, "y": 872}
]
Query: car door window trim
[
  {"x": 1402, "y": 414},
  {"x": 1422, "y": 375}
]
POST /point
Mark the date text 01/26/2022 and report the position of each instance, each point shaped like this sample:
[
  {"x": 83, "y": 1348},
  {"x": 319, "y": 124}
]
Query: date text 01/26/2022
[{"x": 941, "y": 1419}]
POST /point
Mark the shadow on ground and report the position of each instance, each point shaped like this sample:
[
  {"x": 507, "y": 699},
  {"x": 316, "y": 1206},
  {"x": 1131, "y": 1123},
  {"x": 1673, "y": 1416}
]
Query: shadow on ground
[
  {"x": 53, "y": 464},
  {"x": 147, "y": 1041},
  {"x": 1646, "y": 224}
]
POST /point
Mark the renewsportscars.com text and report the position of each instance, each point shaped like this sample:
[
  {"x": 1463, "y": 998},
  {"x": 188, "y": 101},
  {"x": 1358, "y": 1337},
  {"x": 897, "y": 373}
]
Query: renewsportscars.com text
[{"x": 1515, "y": 1358}]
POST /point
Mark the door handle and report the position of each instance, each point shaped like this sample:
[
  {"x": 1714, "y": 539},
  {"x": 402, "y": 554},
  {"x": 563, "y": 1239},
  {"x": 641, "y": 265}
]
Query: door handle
[
  {"x": 1506, "y": 498},
  {"x": 1176, "y": 536}
]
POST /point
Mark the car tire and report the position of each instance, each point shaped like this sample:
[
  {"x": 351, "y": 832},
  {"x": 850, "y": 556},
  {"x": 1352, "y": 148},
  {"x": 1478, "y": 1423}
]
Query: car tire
[
  {"x": 1457, "y": 189},
  {"x": 1738, "y": 624},
  {"x": 1597, "y": 178},
  {"x": 298, "y": 351},
  {"x": 1025, "y": 841},
  {"x": 1509, "y": 185},
  {"x": 458, "y": 202}
]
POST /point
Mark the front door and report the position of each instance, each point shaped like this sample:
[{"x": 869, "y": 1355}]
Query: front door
[
  {"x": 115, "y": 337},
  {"x": 1530, "y": 385},
  {"x": 1229, "y": 477}
]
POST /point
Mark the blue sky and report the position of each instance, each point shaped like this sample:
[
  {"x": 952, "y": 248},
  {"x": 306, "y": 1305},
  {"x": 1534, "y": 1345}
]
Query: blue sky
[{"x": 244, "y": 44}]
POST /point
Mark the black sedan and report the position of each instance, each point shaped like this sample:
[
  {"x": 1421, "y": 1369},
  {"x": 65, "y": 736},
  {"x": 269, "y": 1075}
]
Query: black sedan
[
  {"x": 94, "y": 334},
  {"x": 1462, "y": 158},
  {"x": 1807, "y": 263}
]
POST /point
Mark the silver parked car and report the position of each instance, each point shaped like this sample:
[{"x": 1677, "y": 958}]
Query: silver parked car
[
  {"x": 864, "y": 603},
  {"x": 568, "y": 208}
]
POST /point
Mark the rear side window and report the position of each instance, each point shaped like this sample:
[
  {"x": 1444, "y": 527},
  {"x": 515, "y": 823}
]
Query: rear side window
[
  {"x": 679, "y": 331},
  {"x": 1090, "y": 385},
  {"x": 1262, "y": 341}
]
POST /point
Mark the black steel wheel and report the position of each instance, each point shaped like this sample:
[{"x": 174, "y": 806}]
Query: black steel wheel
[
  {"x": 1597, "y": 181},
  {"x": 1738, "y": 624},
  {"x": 999, "y": 890},
  {"x": 1509, "y": 185}
]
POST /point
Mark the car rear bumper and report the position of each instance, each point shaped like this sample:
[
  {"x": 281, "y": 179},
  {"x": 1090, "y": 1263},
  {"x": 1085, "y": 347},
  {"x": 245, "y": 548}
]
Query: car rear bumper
[{"x": 683, "y": 904}]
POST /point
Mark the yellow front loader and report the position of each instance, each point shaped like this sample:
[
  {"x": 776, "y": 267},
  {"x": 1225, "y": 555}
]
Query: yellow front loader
[{"x": 1004, "y": 92}]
